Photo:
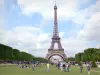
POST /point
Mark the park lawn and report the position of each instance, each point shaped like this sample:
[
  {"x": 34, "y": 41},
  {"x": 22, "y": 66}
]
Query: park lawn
[
  {"x": 15, "y": 70},
  {"x": 97, "y": 69}
]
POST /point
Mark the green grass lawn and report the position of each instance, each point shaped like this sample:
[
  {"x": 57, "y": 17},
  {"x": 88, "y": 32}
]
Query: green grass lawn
[
  {"x": 15, "y": 70},
  {"x": 97, "y": 69}
]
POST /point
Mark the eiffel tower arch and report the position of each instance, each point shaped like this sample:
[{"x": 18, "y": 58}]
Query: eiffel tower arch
[
  {"x": 55, "y": 52},
  {"x": 56, "y": 39}
]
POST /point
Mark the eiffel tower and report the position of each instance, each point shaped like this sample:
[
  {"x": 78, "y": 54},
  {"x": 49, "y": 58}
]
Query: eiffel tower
[{"x": 55, "y": 39}]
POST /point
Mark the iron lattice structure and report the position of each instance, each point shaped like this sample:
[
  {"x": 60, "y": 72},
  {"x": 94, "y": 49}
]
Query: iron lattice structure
[{"x": 55, "y": 39}]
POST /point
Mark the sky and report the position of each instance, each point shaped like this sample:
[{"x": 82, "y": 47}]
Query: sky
[{"x": 27, "y": 25}]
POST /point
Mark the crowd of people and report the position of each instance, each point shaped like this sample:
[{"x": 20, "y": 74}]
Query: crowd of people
[
  {"x": 64, "y": 67},
  {"x": 88, "y": 68}
]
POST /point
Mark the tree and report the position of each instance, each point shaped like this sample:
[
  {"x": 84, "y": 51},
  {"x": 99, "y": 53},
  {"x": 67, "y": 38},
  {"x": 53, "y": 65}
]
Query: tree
[
  {"x": 40, "y": 59},
  {"x": 79, "y": 57},
  {"x": 25, "y": 56},
  {"x": 7, "y": 53},
  {"x": 94, "y": 64},
  {"x": 71, "y": 59},
  {"x": 90, "y": 54},
  {"x": 16, "y": 54}
]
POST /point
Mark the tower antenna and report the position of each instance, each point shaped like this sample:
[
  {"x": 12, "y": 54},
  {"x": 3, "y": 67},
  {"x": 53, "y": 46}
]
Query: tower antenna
[{"x": 55, "y": 2}]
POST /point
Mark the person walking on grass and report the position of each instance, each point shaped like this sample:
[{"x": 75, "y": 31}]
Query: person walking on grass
[
  {"x": 33, "y": 67},
  {"x": 58, "y": 65},
  {"x": 81, "y": 68},
  {"x": 64, "y": 67},
  {"x": 61, "y": 67},
  {"x": 48, "y": 67},
  {"x": 88, "y": 68},
  {"x": 68, "y": 67}
]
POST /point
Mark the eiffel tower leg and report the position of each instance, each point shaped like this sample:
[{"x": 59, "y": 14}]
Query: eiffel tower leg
[
  {"x": 59, "y": 45},
  {"x": 52, "y": 45}
]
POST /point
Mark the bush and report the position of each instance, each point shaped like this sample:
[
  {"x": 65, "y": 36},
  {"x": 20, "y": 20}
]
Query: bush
[{"x": 94, "y": 64}]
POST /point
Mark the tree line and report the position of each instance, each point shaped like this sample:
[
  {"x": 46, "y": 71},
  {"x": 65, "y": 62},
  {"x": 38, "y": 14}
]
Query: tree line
[
  {"x": 71, "y": 59},
  {"x": 9, "y": 54},
  {"x": 90, "y": 54}
]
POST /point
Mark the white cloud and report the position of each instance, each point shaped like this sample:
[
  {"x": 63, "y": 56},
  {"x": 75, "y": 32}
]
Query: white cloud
[
  {"x": 98, "y": 46},
  {"x": 91, "y": 29},
  {"x": 61, "y": 34},
  {"x": 1, "y": 26},
  {"x": 37, "y": 42},
  {"x": 45, "y": 8},
  {"x": 89, "y": 17},
  {"x": 73, "y": 46},
  {"x": 26, "y": 38},
  {"x": 67, "y": 9}
]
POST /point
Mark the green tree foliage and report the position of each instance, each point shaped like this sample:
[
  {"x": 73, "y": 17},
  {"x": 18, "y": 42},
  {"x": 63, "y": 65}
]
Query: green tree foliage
[
  {"x": 79, "y": 57},
  {"x": 25, "y": 56},
  {"x": 16, "y": 54},
  {"x": 94, "y": 64},
  {"x": 40, "y": 59},
  {"x": 71, "y": 59},
  {"x": 90, "y": 54},
  {"x": 7, "y": 53}
]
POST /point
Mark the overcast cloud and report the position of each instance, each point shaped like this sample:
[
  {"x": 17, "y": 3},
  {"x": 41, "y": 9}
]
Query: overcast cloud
[{"x": 36, "y": 41}]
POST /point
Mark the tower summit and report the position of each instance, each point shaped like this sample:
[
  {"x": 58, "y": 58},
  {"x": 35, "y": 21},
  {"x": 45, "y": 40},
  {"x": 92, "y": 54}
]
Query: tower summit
[
  {"x": 55, "y": 7},
  {"x": 55, "y": 30},
  {"x": 55, "y": 39}
]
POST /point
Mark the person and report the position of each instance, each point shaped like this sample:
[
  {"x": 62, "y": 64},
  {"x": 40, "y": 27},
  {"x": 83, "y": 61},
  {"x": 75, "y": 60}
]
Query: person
[
  {"x": 68, "y": 67},
  {"x": 61, "y": 67},
  {"x": 88, "y": 68},
  {"x": 81, "y": 69},
  {"x": 64, "y": 67},
  {"x": 33, "y": 67},
  {"x": 58, "y": 65},
  {"x": 48, "y": 67}
]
